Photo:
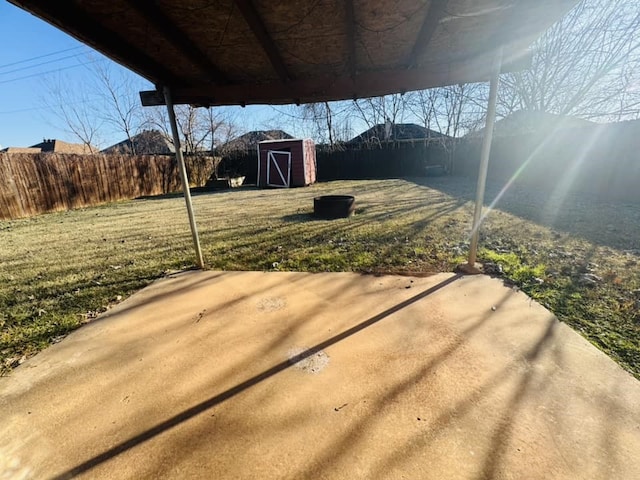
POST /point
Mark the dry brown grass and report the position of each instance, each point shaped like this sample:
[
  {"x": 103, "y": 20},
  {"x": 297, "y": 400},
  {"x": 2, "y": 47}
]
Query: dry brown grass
[{"x": 59, "y": 270}]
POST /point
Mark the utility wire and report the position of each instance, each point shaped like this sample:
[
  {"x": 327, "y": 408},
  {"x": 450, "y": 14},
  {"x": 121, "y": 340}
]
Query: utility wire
[
  {"x": 41, "y": 63},
  {"x": 47, "y": 72},
  {"x": 41, "y": 56},
  {"x": 46, "y": 107}
]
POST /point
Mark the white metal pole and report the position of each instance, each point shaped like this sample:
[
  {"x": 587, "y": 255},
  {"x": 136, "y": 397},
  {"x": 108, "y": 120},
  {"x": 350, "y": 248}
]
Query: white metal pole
[
  {"x": 183, "y": 176},
  {"x": 484, "y": 156}
]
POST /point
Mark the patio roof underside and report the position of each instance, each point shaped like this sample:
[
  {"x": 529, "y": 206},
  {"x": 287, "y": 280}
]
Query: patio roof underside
[{"x": 240, "y": 52}]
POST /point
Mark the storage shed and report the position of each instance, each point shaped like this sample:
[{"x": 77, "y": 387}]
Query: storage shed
[{"x": 286, "y": 163}]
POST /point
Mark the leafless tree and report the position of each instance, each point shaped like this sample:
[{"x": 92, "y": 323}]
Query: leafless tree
[
  {"x": 74, "y": 106},
  {"x": 104, "y": 102},
  {"x": 222, "y": 128},
  {"x": 194, "y": 126},
  {"x": 452, "y": 110},
  {"x": 447, "y": 113},
  {"x": 585, "y": 65},
  {"x": 200, "y": 129},
  {"x": 203, "y": 134},
  {"x": 156, "y": 118},
  {"x": 329, "y": 121},
  {"x": 377, "y": 110},
  {"x": 121, "y": 108}
]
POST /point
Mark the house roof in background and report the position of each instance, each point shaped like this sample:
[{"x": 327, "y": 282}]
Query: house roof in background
[
  {"x": 397, "y": 132},
  {"x": 237, "y": 52},
  {"x": 20, "y": 150},
  {"x": 149, "y": 142},
  {"x": 250, "y": 140},
  {"x": 58, "y": 146}
]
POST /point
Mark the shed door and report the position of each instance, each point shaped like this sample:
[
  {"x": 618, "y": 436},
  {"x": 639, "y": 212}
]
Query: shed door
[{"x": 278, "y": 168}]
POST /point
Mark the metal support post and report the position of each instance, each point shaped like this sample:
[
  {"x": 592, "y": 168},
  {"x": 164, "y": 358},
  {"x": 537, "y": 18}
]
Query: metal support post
[
  {"x": 183, "y": 176},
  {"x": 484, "y": 157}
]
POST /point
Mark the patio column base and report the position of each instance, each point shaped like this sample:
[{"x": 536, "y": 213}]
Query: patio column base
[{"x": 475, "y": 269}]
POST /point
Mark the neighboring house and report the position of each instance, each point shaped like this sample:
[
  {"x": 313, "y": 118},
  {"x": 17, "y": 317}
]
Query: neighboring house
[
  {"x": 249, "y": 141},
  {"x": 52, "y": 146},
  {"x": 395, "y": 133},
  {"x": 147, "y": 142},
  {"x": 20, "y": 150},
  {"x": 58, "y": 146}
]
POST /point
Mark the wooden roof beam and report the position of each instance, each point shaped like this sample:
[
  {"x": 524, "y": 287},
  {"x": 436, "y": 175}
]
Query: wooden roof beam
[
  {"x": 254, "y": 21},
  {"x": 350, "y": 26},
  {"x": 150, "y": 10},
  {"x": 431, "y": 20},
  {"x": 345, "y": 87},
  {"x": 72, "y": 19}
]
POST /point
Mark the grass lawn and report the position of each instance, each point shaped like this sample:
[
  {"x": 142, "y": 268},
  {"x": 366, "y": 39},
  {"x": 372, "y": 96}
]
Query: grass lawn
[{"x": 579, "y": 258}]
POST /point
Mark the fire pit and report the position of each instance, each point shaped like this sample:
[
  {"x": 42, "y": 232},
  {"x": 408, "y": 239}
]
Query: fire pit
[{"x": 334, "y": 206}]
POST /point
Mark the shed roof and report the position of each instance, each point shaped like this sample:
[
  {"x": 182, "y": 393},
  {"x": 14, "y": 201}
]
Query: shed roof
[{"x": 227, "y": 52}]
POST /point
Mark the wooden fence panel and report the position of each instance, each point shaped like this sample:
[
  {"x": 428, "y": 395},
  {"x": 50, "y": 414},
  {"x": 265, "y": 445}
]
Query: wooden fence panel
[
  {"x": 36, "y": 183},
  {"x": 601, "y": 160},
  {"x": 394, "y": 161}
]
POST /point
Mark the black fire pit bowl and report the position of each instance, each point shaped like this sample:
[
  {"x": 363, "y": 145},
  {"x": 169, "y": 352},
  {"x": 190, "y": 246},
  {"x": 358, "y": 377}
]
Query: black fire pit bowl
[{"x": 334, "y": 206}]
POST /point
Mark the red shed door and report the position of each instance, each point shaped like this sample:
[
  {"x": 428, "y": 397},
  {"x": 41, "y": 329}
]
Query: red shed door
[{"x": 278, "y": 168}]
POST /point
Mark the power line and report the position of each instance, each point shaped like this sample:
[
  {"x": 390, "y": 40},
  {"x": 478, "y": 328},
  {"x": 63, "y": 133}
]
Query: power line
[
  {"x": 40, "y": 56},
  {"x": 41, "y": 63},
  {"x": 46, "y": 107},
  {"x": 286, "y": 114},
  {"x": 47, "y": 72}
]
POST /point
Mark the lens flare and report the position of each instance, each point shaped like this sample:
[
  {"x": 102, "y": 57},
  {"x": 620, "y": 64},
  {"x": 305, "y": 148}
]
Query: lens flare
[{"x": 562, "y": 188}]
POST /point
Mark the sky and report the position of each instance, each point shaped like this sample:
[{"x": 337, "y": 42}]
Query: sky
[{"x": 31, "y": 51}]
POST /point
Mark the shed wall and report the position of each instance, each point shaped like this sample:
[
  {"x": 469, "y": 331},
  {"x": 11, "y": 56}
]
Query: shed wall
[
  {"x": 303, "y": 164},
  {"x": 309, "y": 162}
]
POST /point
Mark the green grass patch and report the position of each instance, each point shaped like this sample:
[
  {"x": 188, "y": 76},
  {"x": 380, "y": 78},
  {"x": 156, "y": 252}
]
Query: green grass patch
[
  {"x": 59, "y": 271},
  {"x": 512, "y": 266}
]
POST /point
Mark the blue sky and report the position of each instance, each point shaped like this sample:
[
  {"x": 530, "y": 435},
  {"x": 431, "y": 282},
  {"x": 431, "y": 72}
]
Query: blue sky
[
  {"x": 32, "y": 50},
  {"x": 24, "y": 37}
]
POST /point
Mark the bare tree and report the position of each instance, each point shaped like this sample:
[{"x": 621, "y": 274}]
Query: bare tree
[
  {"x": 75, "y": 108},
  {"x": 105, "y": 102},
  {"x": 321, "y": 117},
  {"x": 377, "y": 110},
  {"x": 585, "y": 65},
  {"x": 121, "y": 106},
  {"x": 453, "y": 110},
  {"x": 193, "y": 125},
  {"x": 447, "y": 113},
  {"x": 329, "y": 121},
  {"x": 222, "y": 128},
  {"x": 202, "y": 134}
]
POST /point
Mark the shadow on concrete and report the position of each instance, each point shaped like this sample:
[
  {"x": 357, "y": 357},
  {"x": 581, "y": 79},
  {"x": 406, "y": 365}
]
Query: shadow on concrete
[
  {"x": 217, "y": 399},
  {"x": 349, "y": 441}
]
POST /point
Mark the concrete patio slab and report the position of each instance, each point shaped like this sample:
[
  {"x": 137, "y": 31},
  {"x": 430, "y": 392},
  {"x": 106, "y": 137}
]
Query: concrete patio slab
[{"x": 251, "y": 375}]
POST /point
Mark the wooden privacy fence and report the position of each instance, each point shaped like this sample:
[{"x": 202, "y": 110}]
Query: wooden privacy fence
[
  {"x": 601, "y": 160},
  {"x": 410, "y": 160},
  {"x": 353, "y": 163},
  {"x": 36, "y": 183}
]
